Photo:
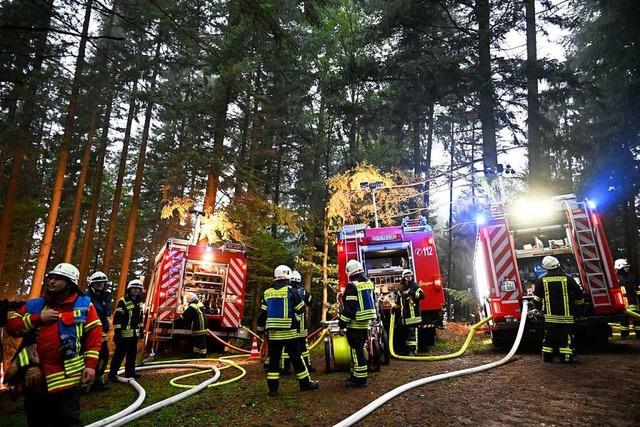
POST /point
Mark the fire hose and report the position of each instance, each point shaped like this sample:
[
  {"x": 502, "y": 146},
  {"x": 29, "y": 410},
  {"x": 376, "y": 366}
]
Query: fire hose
[
  {"x": 439, "y": 357},
  {"x": 362, "y": 413}
]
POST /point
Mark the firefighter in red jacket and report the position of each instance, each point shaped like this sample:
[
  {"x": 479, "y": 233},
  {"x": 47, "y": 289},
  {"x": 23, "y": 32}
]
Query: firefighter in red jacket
[
  {"x": 127, "y": 330},
  {"x": 631, "y": 294},
  {"x": 557, "y": 295},
  {"x": 66, "y": 331},
  {"x": 195, "y": 315},
  {"x": 407, "y": 304}
]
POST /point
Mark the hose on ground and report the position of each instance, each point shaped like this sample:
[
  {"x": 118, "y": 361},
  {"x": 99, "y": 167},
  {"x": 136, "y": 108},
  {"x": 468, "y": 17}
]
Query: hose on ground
[
  {"x": 439, "y": 357},
  {"x": 359, "y": 415}
]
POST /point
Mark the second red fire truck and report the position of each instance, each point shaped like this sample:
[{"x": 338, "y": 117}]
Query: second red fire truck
[
  {"x": 384, "y": 253},
  {"x": 508, "y": 261},
  {"x": 217, "y": 275}
]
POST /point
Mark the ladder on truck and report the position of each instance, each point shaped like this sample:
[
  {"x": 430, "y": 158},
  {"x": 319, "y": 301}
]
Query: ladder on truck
[
  {"x": 352, "y": 234},
  {"x": 590, "y": 258},
  {"x": 170, "y": 277}
]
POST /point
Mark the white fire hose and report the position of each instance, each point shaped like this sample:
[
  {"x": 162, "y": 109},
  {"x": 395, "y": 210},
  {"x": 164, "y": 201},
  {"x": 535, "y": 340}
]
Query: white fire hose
[
  {"x": 357, "y": 416},
  {"x": 129, "y": 414}
]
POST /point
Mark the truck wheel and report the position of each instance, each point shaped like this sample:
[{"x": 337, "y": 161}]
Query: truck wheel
[
  {"x": 385, "y": 353},
  {"x": 374, "y": 356},
  {"x": 327, "y": 356},
  {"x": 501, "y": 339}
]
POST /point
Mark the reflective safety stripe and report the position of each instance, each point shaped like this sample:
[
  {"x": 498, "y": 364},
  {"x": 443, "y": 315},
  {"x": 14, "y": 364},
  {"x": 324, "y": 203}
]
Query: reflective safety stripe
[
  {"x": 74, "y": 366},
  {"x": 23, "y": 358},
  {"x": 283, "y": 335}
]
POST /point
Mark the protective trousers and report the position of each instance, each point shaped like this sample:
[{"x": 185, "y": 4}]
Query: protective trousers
[
  {"x": 61, "y": 409},
  {"x": 557, "y": 339},
  {"x": 292, "y": 347},
  {"x": 124, "y": 347},
  {"x": 356, "y": 339}
]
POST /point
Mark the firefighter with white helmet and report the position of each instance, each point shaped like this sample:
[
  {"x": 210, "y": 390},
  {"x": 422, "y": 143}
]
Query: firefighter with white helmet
[
  {"x": 631, "y": 294},
  {"x": 127, "y": 330},
  {"x": 357, "y": 312},
  {"x": 296, "y": 284},
  {"x": 557, "y": 295},
  {"x": 195, "y": 315},
  {"x": 281, "y": 305},
  {"x": 64, "y": 328},
  {"x": 101, "y": 299},
  {"x": 407, "y": 306}
]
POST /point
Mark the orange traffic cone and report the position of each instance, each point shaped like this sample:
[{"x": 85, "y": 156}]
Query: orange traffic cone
[{"x": 255, "y": 354}]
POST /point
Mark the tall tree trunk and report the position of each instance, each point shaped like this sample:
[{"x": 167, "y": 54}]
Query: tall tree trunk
[
  {"x": 218, "y": 147},
  {"x": 56, "y": 196},
  {"x": 96, "y": 187},
  {"x": 22, "y": 138},
  {"x": 536, "y": 171},
  {"x": 427, "y": 162},
  {"x": 486, "y": 111},
  {"x": 77, "y": 207},
  {"x": 117, "y": 193},
  {"x": 137, "y": 185}
]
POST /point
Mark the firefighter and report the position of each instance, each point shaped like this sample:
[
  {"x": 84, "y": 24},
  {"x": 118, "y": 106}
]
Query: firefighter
[
  {"x": 59, "y": 352},
  {"x": 101, "y": 300},
  {"x": 127, "y": 330},
  {"x": 630, "y": 292},
  {"x": 195, "y": 314},
  {"x": 407, "y": 304},
  {"x": 557, "y": 295},
  {"x": 296, "y": 284},
  {"x": 280, "y": 307},
  {"x": 358, "y": 311}
]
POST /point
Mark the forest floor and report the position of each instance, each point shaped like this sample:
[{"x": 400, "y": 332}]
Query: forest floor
[{"x": 601, "y": 389}]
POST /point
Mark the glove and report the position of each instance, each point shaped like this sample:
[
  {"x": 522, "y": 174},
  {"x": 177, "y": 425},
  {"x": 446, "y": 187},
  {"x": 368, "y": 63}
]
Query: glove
[{"x": 33, "y": 377}]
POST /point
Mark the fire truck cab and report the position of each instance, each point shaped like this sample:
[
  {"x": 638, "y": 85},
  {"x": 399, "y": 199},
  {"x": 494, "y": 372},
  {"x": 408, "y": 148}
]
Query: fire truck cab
[
  {"x": 384, "y": 253},
  {"x": 216, "y": 274},
  {"x": 508, "y": 261}
]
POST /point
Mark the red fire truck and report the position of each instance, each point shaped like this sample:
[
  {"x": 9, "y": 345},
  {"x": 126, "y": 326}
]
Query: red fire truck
[
  {"x": 508, "y": 261},
  {"x": 216, "y": 274},
  {"x": 384, "y": 252}
]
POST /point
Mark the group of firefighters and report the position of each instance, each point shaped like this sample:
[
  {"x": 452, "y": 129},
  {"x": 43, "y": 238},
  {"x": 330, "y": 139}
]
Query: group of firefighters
[{"x": 64, "y": 348}]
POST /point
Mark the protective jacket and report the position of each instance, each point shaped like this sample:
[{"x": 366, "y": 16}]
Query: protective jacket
[
  {"x": 102, "y": 302},
  {"x": 407, "y": 302},
  {"x": 307, "y": 299},
  {"x": 279, "y": 309},
  {"x": 66, "y": 347},
  {"x": 557, "y": 295},
  {"x": 195, "y": 314},
  {"x": 359, "y": 304},
  {"x": 629, "y": 288},
  {"x": 127, "y": 321}
]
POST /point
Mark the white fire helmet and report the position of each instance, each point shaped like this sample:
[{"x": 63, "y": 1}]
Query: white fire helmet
[
  {"x": 98, "y": 276},
  {"x": 550, "y": 262},
  {"x": 406, "y": 273},
  {"x": 621, "y": 263},
  {"x": 282, "y": 272},
  {"x": 135, "y": 283},
  {"x": 295, "y": 276},
  {"x": 354, "y": 267},
  {"x": 66, "y": 270},
  {"x": 191, "y": 297}
]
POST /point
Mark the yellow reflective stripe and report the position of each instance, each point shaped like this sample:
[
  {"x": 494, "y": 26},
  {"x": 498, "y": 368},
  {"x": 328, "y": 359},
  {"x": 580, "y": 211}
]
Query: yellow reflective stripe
[
  {"x": 281, "y": 335},
  {"x": 73, "y": 366},
  {"x": 93, "y": 324},
  {"x": 127, "y": 333},
  {"x": 23, "y": 358},
  {"x": 66, "y": 382},
  {"x": 92, "y": 354},
  {"x": 273, "y": 375},
  {"x": 27, "y": 322},
  {"x": 550, "y": 318},
  {"x": 117, "y": 327},
  {"x": 352, "y": 298}
]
